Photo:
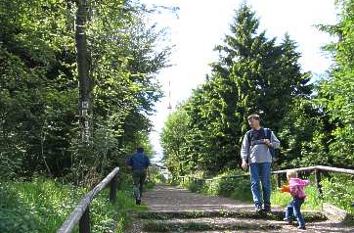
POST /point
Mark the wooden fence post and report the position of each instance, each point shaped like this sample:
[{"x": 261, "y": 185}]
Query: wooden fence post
[
  {"x": 318, "y": 181},
  {"x": 279, "y": 180},
  {"x": 113, "y": 189},
  {"x": 84, "y": 225}
]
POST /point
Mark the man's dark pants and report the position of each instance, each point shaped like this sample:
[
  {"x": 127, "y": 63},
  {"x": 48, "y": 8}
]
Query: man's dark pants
[{"x": 139, "y": 177}]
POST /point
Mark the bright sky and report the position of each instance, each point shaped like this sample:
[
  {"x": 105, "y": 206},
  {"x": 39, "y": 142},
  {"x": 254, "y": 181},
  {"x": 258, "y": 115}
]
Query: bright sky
[{"x": 202, "y": 24}]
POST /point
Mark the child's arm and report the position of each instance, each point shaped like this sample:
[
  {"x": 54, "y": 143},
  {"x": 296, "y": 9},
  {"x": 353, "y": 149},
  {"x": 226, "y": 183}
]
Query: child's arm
[
  {"x": 305, "y": 182},
  {"x": 285, "y": 189}
]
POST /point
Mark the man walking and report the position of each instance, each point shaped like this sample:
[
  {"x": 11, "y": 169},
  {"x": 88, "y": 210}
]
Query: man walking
[
  {"x": 139, "y": 164},
  {"x": 256, "y": 153}
]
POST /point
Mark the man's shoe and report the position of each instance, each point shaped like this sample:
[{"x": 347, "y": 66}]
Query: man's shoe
[
  {"x": 267, "y": 209},
  {"x": 138, "y": 202},
  {"x": 259, "y": 210},
  {"x": 289, "y": 221},
  {"x": 301, "y": 228}
]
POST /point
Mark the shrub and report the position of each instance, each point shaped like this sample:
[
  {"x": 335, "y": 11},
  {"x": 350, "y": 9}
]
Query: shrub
[
  {"x": 236, "y": 188},
  {"x": 339, "y": 191}
]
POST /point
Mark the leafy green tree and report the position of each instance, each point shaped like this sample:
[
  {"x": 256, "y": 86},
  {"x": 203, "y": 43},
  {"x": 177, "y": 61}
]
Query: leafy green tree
[
  {"x": 336, "y": 94},
  {"x": 37, "y": 84},
  {"x": 174, "y": 142},
  {"x": 39, "y": 130}
]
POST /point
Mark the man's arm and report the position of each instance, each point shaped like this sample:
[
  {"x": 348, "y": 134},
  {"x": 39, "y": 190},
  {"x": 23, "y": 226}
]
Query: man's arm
[
  {"x": 245, "y": 149},
  {"x": 275, "y": 143}
]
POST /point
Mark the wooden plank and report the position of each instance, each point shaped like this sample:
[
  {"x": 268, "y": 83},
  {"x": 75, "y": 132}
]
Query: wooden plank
[
  {"x": 84, "y": 224},
  {"x": 295, "y": 169},
  {"x": 318, "y": 181},
  {"x": 278, "y": 180},
  {"x": 301, "y": 169},
  {"x": 79, "y": 210},
  {"x": 323, "y": 168},
  {"x": 336, "y": 169},
  {"x": 113, "y": 189}
]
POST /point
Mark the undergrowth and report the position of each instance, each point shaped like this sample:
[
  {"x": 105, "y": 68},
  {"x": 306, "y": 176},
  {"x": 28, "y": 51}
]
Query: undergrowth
[{"x": 42, "y": 205}]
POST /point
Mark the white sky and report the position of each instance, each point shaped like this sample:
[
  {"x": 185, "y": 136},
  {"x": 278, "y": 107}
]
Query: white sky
[{"x": 202, "y": 24}]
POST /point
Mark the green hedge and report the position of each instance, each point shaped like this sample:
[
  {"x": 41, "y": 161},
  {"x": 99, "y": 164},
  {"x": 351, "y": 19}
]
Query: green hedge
[{"x": 237, "y": 188}]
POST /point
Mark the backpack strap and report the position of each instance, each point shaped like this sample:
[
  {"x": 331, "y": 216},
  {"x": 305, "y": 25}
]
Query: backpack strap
[
  {"x": 248, "y": 134},
  {"x": 268, "y": 133}
]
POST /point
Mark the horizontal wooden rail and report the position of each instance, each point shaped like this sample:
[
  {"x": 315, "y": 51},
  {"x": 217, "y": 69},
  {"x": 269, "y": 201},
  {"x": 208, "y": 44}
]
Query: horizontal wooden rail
[
  {"x": 317, "y": 169},
  {"x": 335, "y": 169},
  {"x": 81, "y": 213},
  {"x": 301, "y": 169},
  {"x": 322, "y": 168}
]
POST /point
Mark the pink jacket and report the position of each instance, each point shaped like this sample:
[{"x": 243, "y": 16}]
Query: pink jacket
[{"x": 297, "y": 187}]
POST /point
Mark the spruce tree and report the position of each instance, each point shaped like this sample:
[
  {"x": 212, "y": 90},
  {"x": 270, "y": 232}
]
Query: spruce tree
[{"x": 254, "y": 74}]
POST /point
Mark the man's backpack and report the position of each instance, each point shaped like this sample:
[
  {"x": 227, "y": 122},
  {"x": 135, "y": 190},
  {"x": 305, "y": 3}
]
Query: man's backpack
[{"x": 267, "y": 135}]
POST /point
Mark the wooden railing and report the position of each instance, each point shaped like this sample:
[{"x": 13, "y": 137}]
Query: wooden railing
[
  {"x": 317, "y": 169},
  {"x": 81, "y": 213}
]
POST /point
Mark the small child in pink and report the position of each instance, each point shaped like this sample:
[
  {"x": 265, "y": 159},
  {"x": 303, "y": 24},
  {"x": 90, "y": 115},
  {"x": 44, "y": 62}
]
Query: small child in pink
[{"x": 296, "y": 189}]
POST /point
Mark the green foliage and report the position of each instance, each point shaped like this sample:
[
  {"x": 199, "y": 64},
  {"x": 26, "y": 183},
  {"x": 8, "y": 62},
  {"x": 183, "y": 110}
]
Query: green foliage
[
  {"x": 237, "y": 188},
  {"x": 222, "y": 185},
  {"x": 42, "y": 206},
  {"x": 304, "y": 129},
  {"x": 156, "y": 176},
  {"x": 174, "y": 141},
  {"x": 339, "y": 190},
  {"x": 336, "y": 93},
  {"x": 38, "y": 206},
  {"x": 39, "y": 130}
]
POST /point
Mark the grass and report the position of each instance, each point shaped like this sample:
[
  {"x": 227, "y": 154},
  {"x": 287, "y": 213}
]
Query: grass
[{"x": 42, "y": 205}]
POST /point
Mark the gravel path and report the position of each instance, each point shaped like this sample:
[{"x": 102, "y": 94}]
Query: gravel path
[{"x": 170, "y": 198}]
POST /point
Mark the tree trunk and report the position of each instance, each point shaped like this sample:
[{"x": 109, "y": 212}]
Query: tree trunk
[{"x": 83, "y": 66}]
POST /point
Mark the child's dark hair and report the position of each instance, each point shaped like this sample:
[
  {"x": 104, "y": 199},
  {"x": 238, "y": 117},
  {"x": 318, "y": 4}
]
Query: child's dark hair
[{"x": 140, "y": 150}]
